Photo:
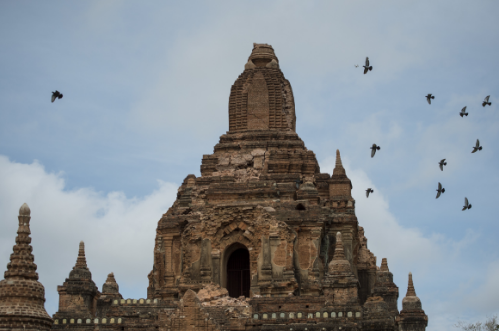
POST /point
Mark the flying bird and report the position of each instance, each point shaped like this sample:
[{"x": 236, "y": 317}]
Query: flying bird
[
  {"x": 442, "y": 163},
  {"x": 486, "y": 101},
  {"x": 429, "y": 97},
  {"x": 56, "y": 95},
  {"x": 466, "y": 204},
  {"x": 356, "y": 66},
  {"x": 477, "y": 146},
  {"x": 463, "y": 112},
  {"x": 440, "y": 190},
  {"x": 369, "y": 190},
  {"x": 367, "y": 67},
  {"x": 373, "y": 149}
]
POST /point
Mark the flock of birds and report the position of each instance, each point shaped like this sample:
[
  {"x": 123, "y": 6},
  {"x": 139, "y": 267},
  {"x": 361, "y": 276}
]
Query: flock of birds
[
  {"x": 442, "y": 163},
  {"x": 374, "y": 147}
]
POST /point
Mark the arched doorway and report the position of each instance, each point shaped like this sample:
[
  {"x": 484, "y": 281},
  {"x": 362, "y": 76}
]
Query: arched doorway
[{"x": 238, "y": 273}]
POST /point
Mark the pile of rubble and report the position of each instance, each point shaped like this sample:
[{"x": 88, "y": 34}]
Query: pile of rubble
[{"x": 214, "y": 295}]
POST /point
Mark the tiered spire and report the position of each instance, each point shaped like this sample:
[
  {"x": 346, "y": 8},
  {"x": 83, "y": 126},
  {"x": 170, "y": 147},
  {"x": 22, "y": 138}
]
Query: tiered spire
[
  {"x": 384, "y": 265},
  {"x": 80, "y": 270},
  {"x": 339, "y": 252},
  {"x": 385, "y": 287},
  {"x": 340, "y": 187},
  {"x": 340, "y": 284},
  {"x": 411, "y": 301},
  {"x": 411, "y": 291},
  {"x": 110, "y": 286},
  {"x": 81, "y": 261},
  {"x": 339, "y": 265},
  {"x": 22, "y": 260},
  {"x": 22, "y": 297},
  {"x": 78, "y": 285},
  {"x": 412, "y": 315},
  {"x": 338, "y": 167}
]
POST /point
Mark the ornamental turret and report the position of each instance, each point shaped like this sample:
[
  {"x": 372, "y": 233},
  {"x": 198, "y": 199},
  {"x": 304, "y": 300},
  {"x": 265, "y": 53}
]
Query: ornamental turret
[
  {"x": 22, "y": 296},
  {"x": 386, "y": 288},
  {"x": 78, "y": 294},
  {"x": 412, "y": 316}
]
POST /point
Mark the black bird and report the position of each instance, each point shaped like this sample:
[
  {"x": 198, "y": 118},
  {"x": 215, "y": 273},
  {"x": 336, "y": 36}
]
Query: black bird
[
  {"x": 369, "y": 190},
  {"x": 477, "y": 146},
  {"x": 373, "y": 149},
  {"x": 56, "y": 95},
  {"x": 429, "y": 97},
  {"x": 486, "y": 101},
  {"x": 463, "y": 112},
  {"x": 440, "y": 190},
  {"x": 298, "y": 182},
  {"x": 367, "y": 67},
  {"x": 466, "y": 204},
  {"x": 442, "y": 163}
]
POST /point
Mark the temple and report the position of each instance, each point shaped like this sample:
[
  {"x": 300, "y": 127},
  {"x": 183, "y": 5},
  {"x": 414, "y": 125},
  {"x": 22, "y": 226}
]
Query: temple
[{"x": 261, "y": 240}]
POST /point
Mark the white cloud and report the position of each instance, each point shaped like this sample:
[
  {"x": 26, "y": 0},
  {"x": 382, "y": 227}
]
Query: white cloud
[{"x": 118, "y": 231}]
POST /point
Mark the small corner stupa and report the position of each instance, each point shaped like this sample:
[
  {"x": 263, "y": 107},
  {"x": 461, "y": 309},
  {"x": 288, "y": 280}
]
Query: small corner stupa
[{"x": 22, "y": 296}]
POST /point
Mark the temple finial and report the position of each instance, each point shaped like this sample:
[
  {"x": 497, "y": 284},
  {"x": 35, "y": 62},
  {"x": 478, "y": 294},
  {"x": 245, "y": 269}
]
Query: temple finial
[
  {"x": 81, "y": 261},
  {"x": 339, "y": 265},
  {"x": 338, "y": 159},
  {"x": 339, "y": 253},
  {"x": 338, "y": 167},
  {"x": 24, "y": 210},
  {"x": 411, "y": 292},
  {"x": 110, "y": 286},
  {"x": 384, "y": 265},
  {"x": 22, "y": 264},
  {"x": 22, "y": 296}
]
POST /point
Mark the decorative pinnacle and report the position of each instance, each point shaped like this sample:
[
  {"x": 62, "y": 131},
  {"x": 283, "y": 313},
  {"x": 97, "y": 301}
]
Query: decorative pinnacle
[
  {"x": 81, "y": 262},
  {"x": 262, "y": 54},
  {"x": 384, "y": 265},
  {"x": 24, "y": 210},
  {"x": 338, "y": 168},
  {"x": 110, "y": 278},
  {"x": 22, "y": 260},
  {"x": 338, "y": 159},
  {"x": 339, "y": 253},
  {"x": 110, "y": 286},
  {"x": 411, "y": 292}
]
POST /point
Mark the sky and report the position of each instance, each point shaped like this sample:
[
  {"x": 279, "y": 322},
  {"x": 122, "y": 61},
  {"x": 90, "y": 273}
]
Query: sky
[{"x": 146, "y": 88}]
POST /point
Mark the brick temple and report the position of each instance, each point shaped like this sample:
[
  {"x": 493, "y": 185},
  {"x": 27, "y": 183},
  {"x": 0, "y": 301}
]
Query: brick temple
[{"x": 261, "y": 240}]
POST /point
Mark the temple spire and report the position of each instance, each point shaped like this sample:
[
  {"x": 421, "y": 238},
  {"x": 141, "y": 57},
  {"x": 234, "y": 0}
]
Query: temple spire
[
  {"x": 22, "y": 260},
  {"x": 22, "y": 296},
  {"x": 339, "y": 253},
  {"x": 110, "y": 287},
  {"x": 411, "y": 292},
  {"x": 384, "y": 265},
  {"x": 339, "y": 265},
  {"x": 338, "y": 168},
  {"x": 81, "y": 261},
  {"x": 412, "y": 316}
]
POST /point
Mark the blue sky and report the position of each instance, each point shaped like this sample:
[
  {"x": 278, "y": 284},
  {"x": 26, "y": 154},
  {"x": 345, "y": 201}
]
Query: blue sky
[{"x": 146, "y": 88}]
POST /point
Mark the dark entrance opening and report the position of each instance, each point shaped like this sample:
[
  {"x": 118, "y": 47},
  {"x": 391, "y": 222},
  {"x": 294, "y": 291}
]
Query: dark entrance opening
[{"x": 238, "y": 273}]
